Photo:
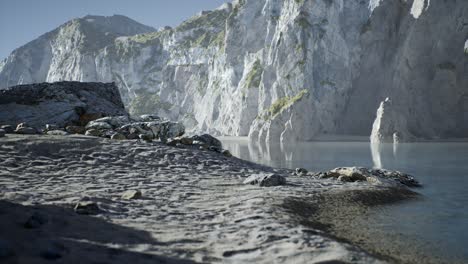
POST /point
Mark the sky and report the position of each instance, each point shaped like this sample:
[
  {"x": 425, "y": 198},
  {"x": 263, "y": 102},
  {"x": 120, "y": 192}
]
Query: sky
[{"x": 24, "y": 20}]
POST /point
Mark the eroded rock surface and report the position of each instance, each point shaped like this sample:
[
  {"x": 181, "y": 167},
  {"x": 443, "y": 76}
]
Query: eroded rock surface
[
  {"x": 275, "y": 70},
  {"x": 60, "y": 104}
]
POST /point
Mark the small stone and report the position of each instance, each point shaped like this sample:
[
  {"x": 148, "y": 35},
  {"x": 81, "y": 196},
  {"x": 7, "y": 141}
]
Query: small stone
[
  {"x": 87, "y": 208},
  {"x": 202, "y": 147},
  {"x": 57, "y": 133},
  {"x": 25, "y": 130},
  {"x": 186, "y": 141},
  {"x": 50, "y": 127},
  {"x": 98, "y": 125},
  {"x": 118, "y": 136},
  {"x": 93, "y": 132},
  {"x": 75, "y": 129},
  {"x": 2, "y": 133},
  {"x": 146, "y": 137},
  {"x": 345, "y": 178},
  {"x": 301, "y": 171},
  {"x": 227, "y": 153},
  {"x": 36, "y": 220},
  {"x": 173, "y": 143},
  {"x": 21, "y": 125},
  {"x": 8, "y": 129},
  {"x": 265, "y": 180},
  {"x": 131, "y": 194}
]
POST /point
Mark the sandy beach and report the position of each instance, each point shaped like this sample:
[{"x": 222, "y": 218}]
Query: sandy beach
[{"x": 194, "y": 206}]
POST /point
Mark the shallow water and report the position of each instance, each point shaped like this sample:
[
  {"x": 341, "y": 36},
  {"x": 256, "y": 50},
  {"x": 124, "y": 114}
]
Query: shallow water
[{"x": 435, "y": 225}]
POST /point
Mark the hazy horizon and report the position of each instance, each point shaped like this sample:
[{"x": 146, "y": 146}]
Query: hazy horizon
[{"x": 24, "y": 20}]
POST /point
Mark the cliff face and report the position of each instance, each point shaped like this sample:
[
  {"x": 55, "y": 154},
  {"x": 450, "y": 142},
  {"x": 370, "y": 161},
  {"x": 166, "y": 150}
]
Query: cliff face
[{"x": 276, "y": 69}]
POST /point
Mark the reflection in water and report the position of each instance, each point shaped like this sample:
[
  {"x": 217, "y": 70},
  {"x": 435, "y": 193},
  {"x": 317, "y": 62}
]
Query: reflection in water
[
  {"x": 384, "y": 150},
  {"x": 439, "y": 220}
]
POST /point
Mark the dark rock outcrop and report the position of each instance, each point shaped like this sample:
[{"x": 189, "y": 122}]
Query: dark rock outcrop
[{"x": 60, "y": 103}]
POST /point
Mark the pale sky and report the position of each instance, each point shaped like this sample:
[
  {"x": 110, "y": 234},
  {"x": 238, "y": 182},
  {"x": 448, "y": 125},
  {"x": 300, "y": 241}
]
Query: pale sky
[{"x": 24, "y": 20}]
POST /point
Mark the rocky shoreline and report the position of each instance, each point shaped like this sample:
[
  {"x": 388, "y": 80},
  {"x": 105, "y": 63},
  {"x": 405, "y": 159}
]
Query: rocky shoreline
[
  {"x": 96, "y": 185},
  {"x": 83, "y": 199}
]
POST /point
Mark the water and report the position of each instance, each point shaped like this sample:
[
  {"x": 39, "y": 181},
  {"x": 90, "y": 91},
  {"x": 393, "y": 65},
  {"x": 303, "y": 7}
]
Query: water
[{"x": 436, "y": 225}]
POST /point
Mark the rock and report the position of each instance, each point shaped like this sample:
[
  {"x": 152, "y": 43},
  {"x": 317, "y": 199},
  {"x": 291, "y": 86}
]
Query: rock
[
  {"x": 98, "y": 125},
  {"x": 2, "y": 133},
  {"x": 57, "y": 133},
  {"x": 226, "y": 153},
  {"x": 59, "y": 103},
  {"x": 93, "y": 132},
  {"x": 353, "y": 174},
  {"x": 36, "y": 220},
  {"x": 390, "y": 125},
  {"x": 166, "y": 130},
  {"x": 207, "y": 140},
  {"x": 146, "y": 137},
  {"x": 8, "y": 129},
  {"x": 118, "y": 136},
  {"x": 173, "y": 143},
  {"x": 50, "y": 127},
  {"x": 300, "y": 172},
  {"x": 87, "y": 208},
  {"x": 109, "y": 122},
  {"x": 186, "y": 141},
  {"x": 149, "y": 118},
  {"x": 131, "y": 194},
  {"x": 266, "y": 180},
  {"x": 340, "y": 99},
  {"x": 75, "y": 129},
  {"x": 24, "y": 129}
]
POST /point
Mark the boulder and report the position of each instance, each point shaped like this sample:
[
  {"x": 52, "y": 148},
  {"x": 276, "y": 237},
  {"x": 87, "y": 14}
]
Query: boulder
[
  {"x": 57, "y": 133},
  {"x": 93, "y": 133},
  {"x": 118, "y": 136},
  {"x": 207, "y": 140},
  {"x": 60, "y": 103},
  {"x": 265, "y": 180},
  {"x": 75, "y": 129},
  {"x": 23, "y": 128},
  {"x": 8, "y": 129},
  {"x": 226, "y": 153},
  {"x": 87, "y": 208},
  {"x": 300, "y": 172},
  {"x": 50, "y": 127},
  {"x": 354, "y": 174},
  {"x": 186, "y": 141}
]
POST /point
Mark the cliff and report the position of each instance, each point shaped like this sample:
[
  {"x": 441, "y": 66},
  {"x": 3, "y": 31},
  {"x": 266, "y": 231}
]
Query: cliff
[{"x": 276, "y": 70}]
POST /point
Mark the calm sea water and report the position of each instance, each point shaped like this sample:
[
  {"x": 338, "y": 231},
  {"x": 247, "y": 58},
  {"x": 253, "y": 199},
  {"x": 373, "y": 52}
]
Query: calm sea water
[{"x": 437, "y": 223}]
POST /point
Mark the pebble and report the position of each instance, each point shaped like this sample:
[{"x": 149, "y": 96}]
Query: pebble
[
  {"x": 131, "y": 194},
  {"x": 265, "y": 180},
  {"x": 87, "y": 208}
]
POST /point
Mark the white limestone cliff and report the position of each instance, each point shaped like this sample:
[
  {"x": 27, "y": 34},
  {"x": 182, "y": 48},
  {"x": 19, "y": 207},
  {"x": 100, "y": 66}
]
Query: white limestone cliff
[
  {"x": 276, "y": 70},
  {"x": 390, "y": 125}
]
